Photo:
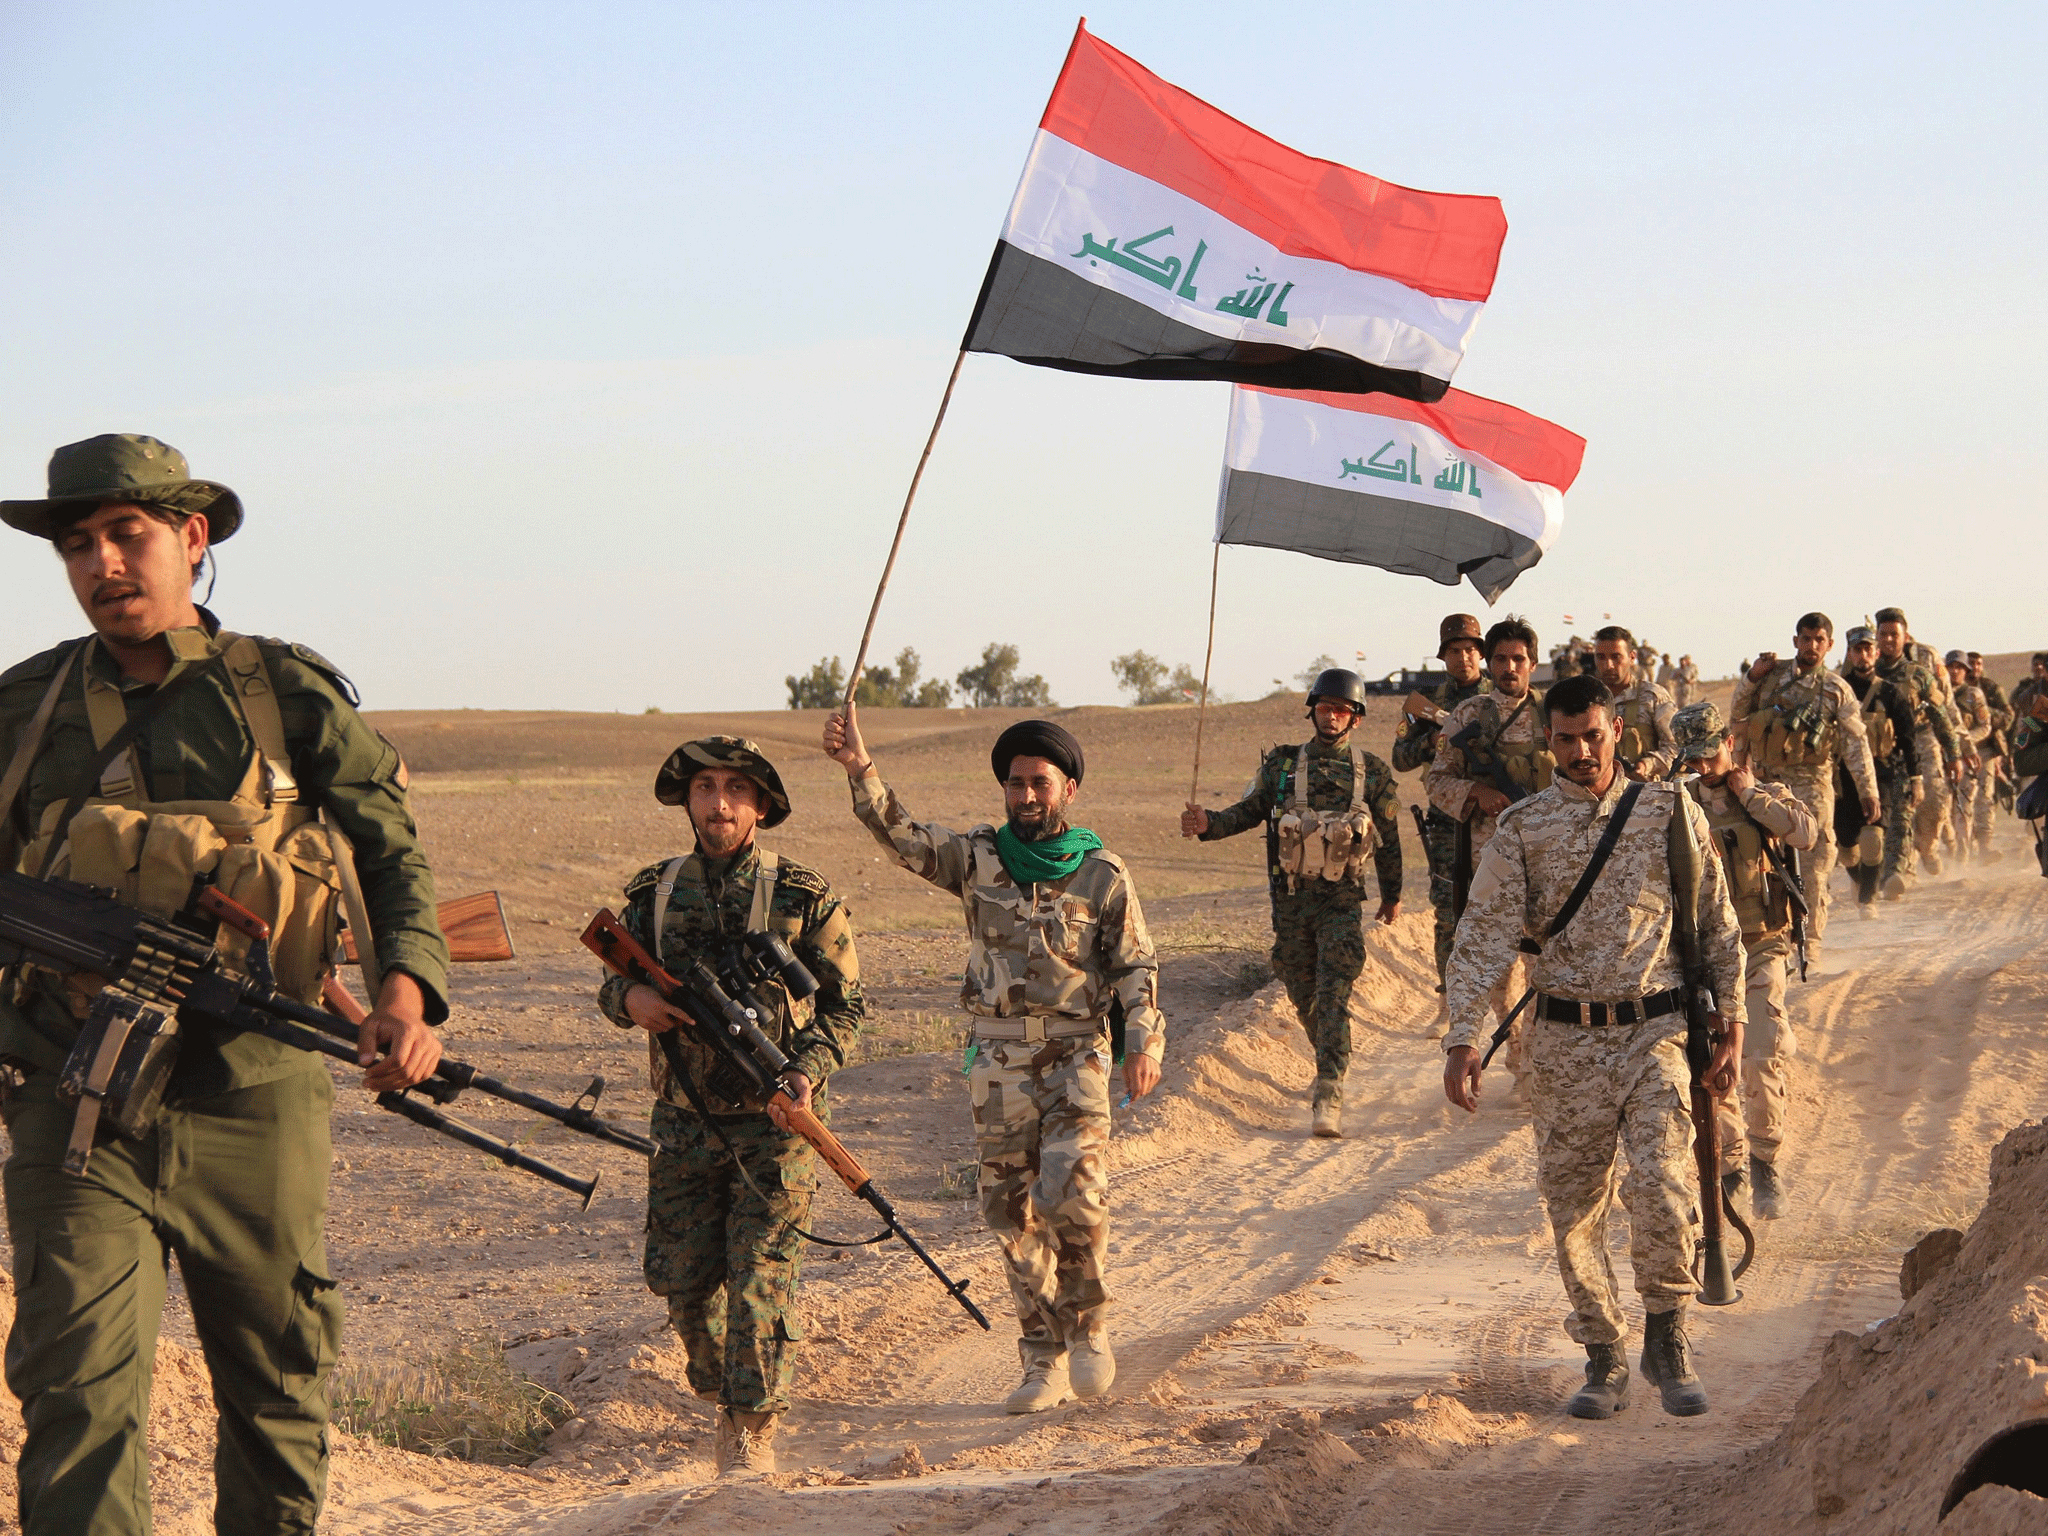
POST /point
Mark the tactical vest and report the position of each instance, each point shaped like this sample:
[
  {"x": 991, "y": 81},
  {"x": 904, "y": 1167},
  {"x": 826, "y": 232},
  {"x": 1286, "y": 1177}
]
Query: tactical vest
[
  {"x": 1638, "y": 734},
  {"x": 1761, "y": 904},
  {"x": 1325, "y": 845},
  {"x": 1529, "y": 763},
  {"x": 1788, "y": 728},
  {"x": 260, "y": 846}
]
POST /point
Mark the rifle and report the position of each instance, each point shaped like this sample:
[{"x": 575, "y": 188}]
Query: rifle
[
  {"x": 726, "y": 1019},
  {"x": 1487, "y": 761},
  {"x": 164, "y": 974},
  {"x": 1717, "y": 1281}
]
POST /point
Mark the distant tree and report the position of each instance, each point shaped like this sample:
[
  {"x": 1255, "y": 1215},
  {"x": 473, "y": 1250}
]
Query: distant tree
[
  {"x": 1308, "y": 674},
  {"x": 1186, "y": 685},
  {"x": 1143, "y": 676},
  {"x": 996, "y": 681},
  {"x": 822, "y": 688}
]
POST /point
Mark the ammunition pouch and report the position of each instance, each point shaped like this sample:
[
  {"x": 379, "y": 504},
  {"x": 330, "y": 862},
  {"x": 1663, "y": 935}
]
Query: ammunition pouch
[
  {"x": 1783, "y": 733},
  {"x": 117, "y": 1071},
  {"x": 1325, "y": 845}
]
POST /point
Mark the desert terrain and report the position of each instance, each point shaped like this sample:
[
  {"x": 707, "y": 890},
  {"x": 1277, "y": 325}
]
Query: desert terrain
[{"x": 1357, "y": 1336}]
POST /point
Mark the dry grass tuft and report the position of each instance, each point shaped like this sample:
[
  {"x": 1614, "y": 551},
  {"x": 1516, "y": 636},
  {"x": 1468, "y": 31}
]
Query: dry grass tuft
[{"x": 466, "y": 1405}]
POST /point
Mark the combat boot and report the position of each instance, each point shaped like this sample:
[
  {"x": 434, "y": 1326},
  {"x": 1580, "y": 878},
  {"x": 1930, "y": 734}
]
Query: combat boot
[
  {"x": 1045, "y": 1385},
  {"x": 1768, "y": 1200},
  {"x": 745, "y": 1445},
  {"x": 1606, "y": 1390},
  {"x": 1894, "y": 887},
  {"x": 1733, "y": 1183},
  {"x": 1328, "y": 1118},
  {"x": 1667, "y": 1365},
  {"x": 1091, "y": 1366}
]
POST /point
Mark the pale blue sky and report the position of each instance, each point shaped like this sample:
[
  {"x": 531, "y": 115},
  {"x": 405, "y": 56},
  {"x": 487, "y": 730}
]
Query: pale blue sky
[{"x": 578, "y": 356}]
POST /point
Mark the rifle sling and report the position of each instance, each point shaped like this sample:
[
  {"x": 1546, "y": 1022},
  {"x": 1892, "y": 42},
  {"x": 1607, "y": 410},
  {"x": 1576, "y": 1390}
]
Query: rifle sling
[{"x": 1601, "y": 852}]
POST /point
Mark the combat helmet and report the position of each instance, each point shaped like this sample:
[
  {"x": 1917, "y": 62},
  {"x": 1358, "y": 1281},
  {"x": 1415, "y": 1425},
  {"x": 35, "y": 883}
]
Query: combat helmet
[
  {"x": 1338, "y": 683},
  {"x": 672, "y": 783}
]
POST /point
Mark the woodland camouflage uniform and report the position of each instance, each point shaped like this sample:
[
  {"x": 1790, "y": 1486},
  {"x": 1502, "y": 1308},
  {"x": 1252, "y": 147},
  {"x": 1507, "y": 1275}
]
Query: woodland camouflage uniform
[
  {"x": 1934, "y": 748},
  {"x": 1415, "y": 747},
  {"x": 726, "y": 1260}
]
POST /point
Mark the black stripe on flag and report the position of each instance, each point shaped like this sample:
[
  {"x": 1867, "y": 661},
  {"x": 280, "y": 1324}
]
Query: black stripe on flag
[
  {"x": 1408, "y": 537},
  {"x": 1038, "y": 312}
]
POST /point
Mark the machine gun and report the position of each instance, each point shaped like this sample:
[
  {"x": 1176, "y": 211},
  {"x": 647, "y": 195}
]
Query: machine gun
[
  {"x": 164, "y": 975},
  {"x": 725, "y": 1012}
]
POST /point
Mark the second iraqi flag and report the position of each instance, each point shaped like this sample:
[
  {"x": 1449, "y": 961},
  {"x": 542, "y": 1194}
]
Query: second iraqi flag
[{"x": 1155, "y": 237}]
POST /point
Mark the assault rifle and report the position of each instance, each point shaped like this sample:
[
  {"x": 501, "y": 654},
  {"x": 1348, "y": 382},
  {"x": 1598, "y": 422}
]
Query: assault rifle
[
  {"x": 1795, "y": 897},
  {"x": 725, "y": 1014},
  {"x": 1717, "y": 1280},
  {"x": 1487, "y": 761},
  {"x": 164, "y": 974}
]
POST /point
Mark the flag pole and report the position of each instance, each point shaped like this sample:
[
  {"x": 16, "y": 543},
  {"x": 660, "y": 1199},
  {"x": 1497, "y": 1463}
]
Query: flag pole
[
  {"x": 867, "y": 635},
  {"x": 1202, "y": 709}
]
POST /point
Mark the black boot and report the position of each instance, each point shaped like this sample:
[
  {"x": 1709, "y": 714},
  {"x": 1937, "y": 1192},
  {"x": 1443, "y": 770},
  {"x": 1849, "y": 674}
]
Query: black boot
[
  {"x": 1606, "y": 1390},
  {"x": 1733, "y": 1182},
  {"x": 1769, "y": 1196},
  {"x": 1667, "y": 1365}
]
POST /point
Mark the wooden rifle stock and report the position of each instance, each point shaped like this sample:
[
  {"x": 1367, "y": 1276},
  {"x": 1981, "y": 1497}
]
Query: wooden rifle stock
[
  {"x": 474, "y": 926},
  {"x": 1420, "y": 706}
]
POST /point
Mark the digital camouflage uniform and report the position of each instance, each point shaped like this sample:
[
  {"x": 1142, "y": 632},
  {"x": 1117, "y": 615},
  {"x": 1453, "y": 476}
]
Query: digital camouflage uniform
[
  {"x": 1044, "y": 961},
  {"x": 1996, "y": 748},
  {"x": 1687, "y": 688},
  {"x": 1974, "y": 791},
  {"x": 1934, "y": 748},
  {"x": 1319, "y": 928},
  {"x": 1642, "y": 723},
  {"x": 1797, "y": 727},
  {"x": 725, "y": 1260},
  {"x": 1896, "y": 772},
  {"x": 235, "y": 1181},
  {"x": 1595, "y": 1086},
  {"x": 1415, "y": 747}
]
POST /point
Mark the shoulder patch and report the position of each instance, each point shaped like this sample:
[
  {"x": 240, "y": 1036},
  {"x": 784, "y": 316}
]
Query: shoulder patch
[
  {"x": 792, "y": 876},
  {"x": 313, "y": 659},
  {"x": 644, "y": 881},
  {"x": 40, "y": 665}
]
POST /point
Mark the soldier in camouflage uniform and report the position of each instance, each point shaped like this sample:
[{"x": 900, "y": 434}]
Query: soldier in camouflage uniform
[
  {"x": 1890, "y": 725},
  {"x": 1997, "y": 753},
  {"x": 1748, "y": 815},
  {"x": 258, "y": 743},
  {"x": 1056, "y": 942},
  {"x": 1973, "y": 711},
  {"x": 1642, "y": 710},
  {"x": 1318, "y": 891},
  {"x": 730, "y": 1189},
  {"x": 1798, "y": 722},
  {"x": 1459, "y": 648},
  {"x": 1934, "y": 746},
  {"x": 1607, "y": 1045},
  {"x": 1687, "y": 688}
]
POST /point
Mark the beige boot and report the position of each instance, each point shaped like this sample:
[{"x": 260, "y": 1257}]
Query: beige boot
[
  {"x": 1045, "y": 1385},
  {"x": 1328, "y": 1115},
  {"x": 1091, "y": 1366},
  {"x": 745, "y": 1446}
]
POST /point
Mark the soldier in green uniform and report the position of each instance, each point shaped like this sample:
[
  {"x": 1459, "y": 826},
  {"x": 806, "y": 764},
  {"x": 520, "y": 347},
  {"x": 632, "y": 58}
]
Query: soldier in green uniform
[
  {"x": 1326, "y": 805},
  {"x": 730, "y": 1190},
  {"x": 243, "y": 757},
  {"x": 1458, "y": 648}
]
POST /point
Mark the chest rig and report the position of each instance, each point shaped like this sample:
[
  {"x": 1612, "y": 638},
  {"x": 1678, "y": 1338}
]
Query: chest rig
[
  {"x": 1529, "y": 763},
  {"x": 1790, "y": 727},
  {"x": 1325, "y": 845}
]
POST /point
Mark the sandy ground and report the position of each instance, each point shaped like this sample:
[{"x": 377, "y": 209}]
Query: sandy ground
[{"x": 1355, "y": 1336}]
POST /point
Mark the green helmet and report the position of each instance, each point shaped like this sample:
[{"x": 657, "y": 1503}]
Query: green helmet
[
  {"x": 126, "y": 467},
  {"x": 672, "y": 784}
]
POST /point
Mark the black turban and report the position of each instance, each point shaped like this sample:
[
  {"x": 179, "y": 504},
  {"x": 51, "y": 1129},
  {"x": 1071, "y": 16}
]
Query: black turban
[{"x": 1038, "y": 738}]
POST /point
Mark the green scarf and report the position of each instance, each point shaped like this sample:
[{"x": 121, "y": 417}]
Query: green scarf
[{"x": 1051, "y": 858}]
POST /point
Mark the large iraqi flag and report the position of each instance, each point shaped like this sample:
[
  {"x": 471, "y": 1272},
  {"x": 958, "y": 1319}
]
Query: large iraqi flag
[
  {"x": 1464, "y": 487},
  {"x": 1155, "y": 237}
]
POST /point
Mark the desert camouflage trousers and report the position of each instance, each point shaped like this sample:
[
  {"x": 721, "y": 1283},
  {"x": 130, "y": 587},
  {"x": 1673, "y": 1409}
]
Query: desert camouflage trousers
[
  {"x": 1440, "y": 842},
  {"x": 1318, "y": 951},
  {"x": 1934, "y": 804},
  {"x": 725, "y": 1260},
  {"x": 1985, "y": 800},
  {"x": 1757, "y": 1127},
  {"x": 1593, "y": 1089},
  {"x": 1041, "y": 1125},
  {"x": 1814, "y": 788},
  {"x": 1971, "y": 817}
]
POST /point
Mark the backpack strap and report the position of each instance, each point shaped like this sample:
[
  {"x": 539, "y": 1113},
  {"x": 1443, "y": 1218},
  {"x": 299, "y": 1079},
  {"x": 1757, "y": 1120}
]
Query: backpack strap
[
  {"x": 764, "y": 891},
  {"x": 1297, "y": 796},
  {"x": 664, "y": 887},
  {"x": 256, "y": 692},
  {"x": 32, "y": 740},
  {"x": 108, "y": 712},
  {"x": 1357, "y": 778}
]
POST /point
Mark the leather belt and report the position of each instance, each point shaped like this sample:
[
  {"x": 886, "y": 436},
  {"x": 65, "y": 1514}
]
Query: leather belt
[{"x": 1568, "y": 1010}]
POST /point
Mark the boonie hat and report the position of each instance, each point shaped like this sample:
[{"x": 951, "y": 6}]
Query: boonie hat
[
  {"x": 123, "y": 466},
  {"x": 672, "y": 784},
  {"x": 1700, "y": 730}
]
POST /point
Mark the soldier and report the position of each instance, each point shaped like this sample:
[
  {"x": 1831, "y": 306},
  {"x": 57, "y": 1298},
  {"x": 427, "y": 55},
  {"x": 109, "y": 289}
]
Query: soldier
[
  {"x": 1997, "y": 753},
  {"x": 1934, "y": 746},
  {"x": 1642, "y": 710},
  {"x": 1056, "y": 939},
  {"x": 257, "y": 748},
  {"x": 1688, "y": 686},
  {"x": 1883, "y": 851},
  {"x": 729, "y": 1191},
  {"x": 1975, "y": 785},
  {"x": 2034, "y": 683},
  {"x": 1607, "y": 1038},
  {"x": 1326, "y": 806},
  {"x": 1752, "y": 820},
  {"x": 1458, "y": 648},
  {"x": 1795, "y": 722}
]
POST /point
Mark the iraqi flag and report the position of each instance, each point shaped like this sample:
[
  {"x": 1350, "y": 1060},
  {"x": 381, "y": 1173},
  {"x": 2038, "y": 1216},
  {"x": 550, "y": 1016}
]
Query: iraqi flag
[
  {"x": 1153, "y": 236},
  {"x": 1466, "y": 487}
]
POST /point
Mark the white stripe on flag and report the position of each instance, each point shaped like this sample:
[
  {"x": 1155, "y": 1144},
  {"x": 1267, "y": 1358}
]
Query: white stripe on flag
[
  {"x": 1203, "y": 262},
  {"x": 1303, "y": 440}
]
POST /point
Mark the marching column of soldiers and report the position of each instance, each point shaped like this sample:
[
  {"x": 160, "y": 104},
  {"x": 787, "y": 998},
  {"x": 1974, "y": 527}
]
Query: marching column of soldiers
[{"x": 1636, "y": 863}]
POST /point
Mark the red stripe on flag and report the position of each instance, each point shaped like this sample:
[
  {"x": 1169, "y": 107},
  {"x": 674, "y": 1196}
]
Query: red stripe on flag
[
  {"x": 1113, "y": 107},
  {"x": 1526, "y": 446}
]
